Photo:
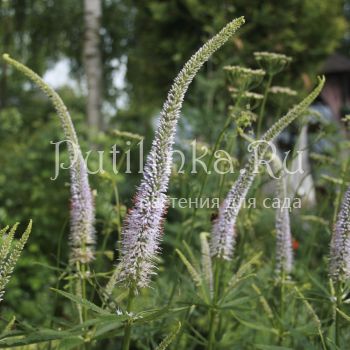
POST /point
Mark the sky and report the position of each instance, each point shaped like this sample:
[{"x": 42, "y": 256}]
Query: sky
[{"x": 59, "y": 76}]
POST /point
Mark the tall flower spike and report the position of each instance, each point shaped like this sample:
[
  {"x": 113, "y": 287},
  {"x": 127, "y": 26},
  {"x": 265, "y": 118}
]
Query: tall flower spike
[
  {"x": 339, "y": 266},
  {"x": 284, "y": 250},
  {"x": 143, "y": 225},
  {"x": 223, "y": 231},
  {"x": 82, "y": 233}
]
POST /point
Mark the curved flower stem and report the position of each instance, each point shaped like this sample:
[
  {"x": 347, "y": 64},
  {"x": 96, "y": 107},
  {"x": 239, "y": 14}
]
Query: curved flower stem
[
  {"x": 127, "y": 328},
  {"x": 263, "y": 104}
]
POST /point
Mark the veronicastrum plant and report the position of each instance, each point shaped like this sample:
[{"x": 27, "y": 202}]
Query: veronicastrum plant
[
  {"x": 223, "y": 235},
  {"x": 82, "y": 233},
  {"x": 220, "y": 281},
  {"x": 142, "y": 228},
  {"x": 82, "y": 214}
]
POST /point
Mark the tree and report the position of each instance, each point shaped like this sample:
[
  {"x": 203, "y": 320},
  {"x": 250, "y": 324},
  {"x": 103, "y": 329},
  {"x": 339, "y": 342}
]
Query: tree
[
  {"x": 168, "y": 32},
  {"x": 93, "y": 62}
]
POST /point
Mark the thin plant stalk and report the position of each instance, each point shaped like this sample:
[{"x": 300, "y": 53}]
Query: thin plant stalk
[
  {"x": 128, "y": 325},
  {"x": 263, "y": 104},
  {"x": 213, "y": 310},
  {"x": 337, "y": 306},
  {"x": 223, "y": 177},
  {"x": 282, "y": 302}
]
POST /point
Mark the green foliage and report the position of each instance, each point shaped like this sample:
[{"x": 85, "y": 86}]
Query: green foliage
[
  {"x": 161, "y": 35},
  {"x": 10, "y": 253},
  {"x": 196, "y": 302}
]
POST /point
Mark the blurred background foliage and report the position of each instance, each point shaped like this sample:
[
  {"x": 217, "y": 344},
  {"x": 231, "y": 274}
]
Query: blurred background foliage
[{"x": 151, "y": 40}]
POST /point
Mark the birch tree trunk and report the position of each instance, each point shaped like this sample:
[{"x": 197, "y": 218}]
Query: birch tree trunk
[{"x": 92, "y": 62}]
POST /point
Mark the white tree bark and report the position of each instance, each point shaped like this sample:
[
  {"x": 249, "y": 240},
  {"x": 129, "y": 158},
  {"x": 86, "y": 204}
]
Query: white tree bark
[{"x": 92, "y": 62}]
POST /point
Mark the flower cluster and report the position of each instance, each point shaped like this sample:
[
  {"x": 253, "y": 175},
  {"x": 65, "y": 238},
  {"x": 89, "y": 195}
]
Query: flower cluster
[
  {"x": 339, "y": 267},
  {"x": 82, "y": 237},
  {"x": 271, "y": 62},
  {"x": 247, "y": 96},
  {"x": 244, "y": 79},
  {"x": 282, "y": 90}
]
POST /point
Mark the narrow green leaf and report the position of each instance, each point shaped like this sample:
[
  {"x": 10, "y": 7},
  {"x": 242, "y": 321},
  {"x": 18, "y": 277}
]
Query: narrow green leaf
[
  {"x": 343, "y": 314},
  {"x": 271, "y": 347},
  {"x": 34, "y": 338},
  {"x": 81, "y": 301},
  {"x": 70, "y": 343},
  {"x": 255, "y": 325}
]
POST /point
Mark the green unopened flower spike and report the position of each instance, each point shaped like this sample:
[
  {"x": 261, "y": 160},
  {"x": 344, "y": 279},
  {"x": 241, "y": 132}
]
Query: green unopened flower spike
[
  {"x": 143, "y": 225},
  {"x": 82, "y": 233},
  {"x": 10, "y": 253}
]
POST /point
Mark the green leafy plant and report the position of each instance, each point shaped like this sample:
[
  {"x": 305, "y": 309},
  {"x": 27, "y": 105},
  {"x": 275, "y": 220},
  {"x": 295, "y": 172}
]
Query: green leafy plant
[{"x": 10, "y": 251}]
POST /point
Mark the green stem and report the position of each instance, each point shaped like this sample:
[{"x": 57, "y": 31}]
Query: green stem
[
  {"x": 336, "y": 316},
  {"x": 211, "y": 340},
  {"x": 78, "y": 292},
  {"x": 83, "y": 289},
  {"x": 223, "y": 177},
  {"x": 81, "y": 284},
  {"x": 282, "y": 296},
  {"x": 263, "y": 104},
  {"x": 127, "y": 327},
  {"x": 213, "y": 309}
]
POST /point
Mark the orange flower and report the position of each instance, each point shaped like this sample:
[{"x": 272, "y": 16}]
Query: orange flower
[{"x": 295, "y": 244}]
